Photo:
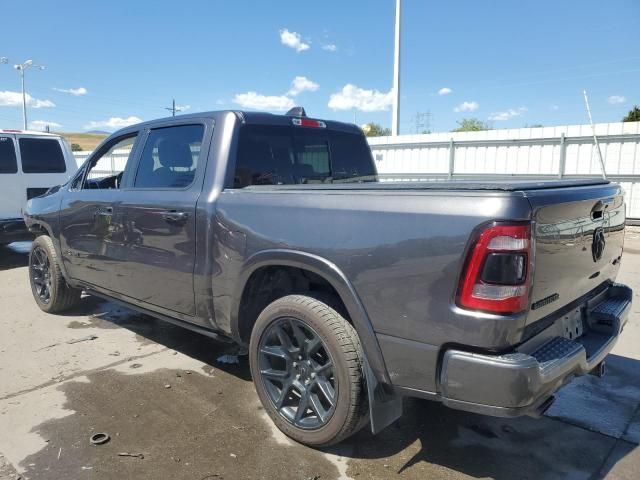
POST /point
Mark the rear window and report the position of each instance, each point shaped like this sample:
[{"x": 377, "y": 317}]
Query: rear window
[
  {"x": 41, "y": 155},
  {"x": 277, "y": 155},
  {"x": 8, "y": 163}
]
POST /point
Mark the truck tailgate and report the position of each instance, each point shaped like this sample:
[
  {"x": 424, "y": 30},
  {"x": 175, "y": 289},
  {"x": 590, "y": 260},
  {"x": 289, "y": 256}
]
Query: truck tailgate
[{"x": 578, "y": 240}]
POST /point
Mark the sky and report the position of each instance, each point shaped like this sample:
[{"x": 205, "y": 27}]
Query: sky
[{"x": 509, "y": 63}]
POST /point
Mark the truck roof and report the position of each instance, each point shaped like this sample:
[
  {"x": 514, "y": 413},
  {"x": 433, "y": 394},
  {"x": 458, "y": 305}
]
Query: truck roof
[{"x": 253, "y": 118}]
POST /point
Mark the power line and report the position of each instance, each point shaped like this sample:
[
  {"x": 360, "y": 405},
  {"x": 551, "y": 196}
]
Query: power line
[{"x": 422, "y": 122}]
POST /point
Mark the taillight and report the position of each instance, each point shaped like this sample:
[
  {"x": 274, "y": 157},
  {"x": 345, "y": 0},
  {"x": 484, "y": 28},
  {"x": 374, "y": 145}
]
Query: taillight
[{"x": 496, "y": 275}]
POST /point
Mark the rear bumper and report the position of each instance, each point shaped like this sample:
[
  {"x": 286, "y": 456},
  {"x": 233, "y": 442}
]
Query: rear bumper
[
  {"x": 523, "y": 382},
  {"x": 14, "y": 230}
]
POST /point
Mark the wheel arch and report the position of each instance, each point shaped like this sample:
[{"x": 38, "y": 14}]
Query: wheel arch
[{"x": 329, "y": 272}]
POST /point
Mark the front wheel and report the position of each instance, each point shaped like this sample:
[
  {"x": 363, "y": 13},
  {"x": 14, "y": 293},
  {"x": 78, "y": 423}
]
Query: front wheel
[
  {"x": 307, "y": 366},
  {"x": 49, "y": 288}
]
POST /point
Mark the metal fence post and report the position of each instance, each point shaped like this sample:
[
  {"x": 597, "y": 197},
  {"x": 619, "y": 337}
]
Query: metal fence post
[
  {"x": 452, "y": 158},
  {"x": 563, "y": 156}
]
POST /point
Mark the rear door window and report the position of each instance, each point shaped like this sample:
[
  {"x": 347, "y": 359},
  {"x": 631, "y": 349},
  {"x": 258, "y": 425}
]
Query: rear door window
[
  {"x": 8, "y": 162},
  {"x": 170, "y": 157},
  {"x": 281, "y": 155},
  {"x": 41, "y": 155}
]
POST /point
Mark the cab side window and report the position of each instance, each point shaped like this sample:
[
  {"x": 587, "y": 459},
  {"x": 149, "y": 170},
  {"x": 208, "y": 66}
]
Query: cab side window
[
  {"x": 106, "y": 170},
  {"x": 170, "y": 157},
  {"x": 8, "y": 161}
]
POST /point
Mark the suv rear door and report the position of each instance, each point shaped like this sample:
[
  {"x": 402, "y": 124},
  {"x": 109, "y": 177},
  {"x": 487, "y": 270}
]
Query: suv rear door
[
  {"x": 159, "y": 214},
  {"x": 10, "y": 179},
  {"x": 46, "y": 162}
]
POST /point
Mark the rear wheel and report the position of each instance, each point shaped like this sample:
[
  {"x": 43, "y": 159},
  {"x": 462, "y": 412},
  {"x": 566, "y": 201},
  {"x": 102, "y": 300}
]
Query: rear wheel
[
  {"x": 307, "y": 366},
  {"x": 49, "y": 288}
]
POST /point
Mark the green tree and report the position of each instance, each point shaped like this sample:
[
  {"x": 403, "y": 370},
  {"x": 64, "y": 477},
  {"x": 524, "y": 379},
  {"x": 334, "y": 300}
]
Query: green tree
[
  {"x": 471, "y": 125},
  {"x": 375, "y": 130},
  {"x": 75, "y": 147},
  {"x": 633, "y": 115}
]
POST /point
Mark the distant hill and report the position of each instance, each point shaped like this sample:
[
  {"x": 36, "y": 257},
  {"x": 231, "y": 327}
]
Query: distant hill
[
  {"x": 87, "y": 141},
  {"x": 97, "y": 132}
]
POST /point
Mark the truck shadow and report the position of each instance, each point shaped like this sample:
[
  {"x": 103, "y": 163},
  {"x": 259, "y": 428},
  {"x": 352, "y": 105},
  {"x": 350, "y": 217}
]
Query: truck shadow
[
  {"x": 14, "y": 255},
  {"x": 103, "y": 314},
  {"x": 576, "y": 440}
]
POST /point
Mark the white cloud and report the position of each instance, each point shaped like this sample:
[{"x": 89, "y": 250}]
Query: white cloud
[
  {"x": 352, "y": 96},
  {"x": 113, "y": 123},
  {"x": 73, "y": 91},
  {"x": 330, "y": 47},
  {"x": 14, "y": 99},
  {"x": 616, "y": 99},
  {"x": 507, "y": 114},
  {"x": 182, "y": 108},
  {"x": 263, "y": 102},
  {"x": 444, "y": 91},
  {"x": 42, "y": 125},
  {"x": 302, "y": 84},
  {"x": 467, "y": 107},
  {"x": 293, "y": 40}
]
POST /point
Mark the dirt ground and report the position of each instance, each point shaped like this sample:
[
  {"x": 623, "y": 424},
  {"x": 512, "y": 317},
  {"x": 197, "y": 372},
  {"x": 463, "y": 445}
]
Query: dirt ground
[{"x": 163, "y": 397}]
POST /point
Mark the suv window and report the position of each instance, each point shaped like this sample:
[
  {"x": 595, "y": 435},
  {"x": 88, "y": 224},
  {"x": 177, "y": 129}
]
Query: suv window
[
  {"x": 8, "y": 162},
  {"x": 41, "y": 155},
  {"x": 105, "y": 171},
  {"x": 279, "y": 155},
  {"x": 170, "y": 157}
]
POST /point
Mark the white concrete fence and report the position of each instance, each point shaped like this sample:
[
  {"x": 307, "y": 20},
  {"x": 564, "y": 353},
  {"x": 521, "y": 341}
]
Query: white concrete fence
[{"x": 524, "y": 153}]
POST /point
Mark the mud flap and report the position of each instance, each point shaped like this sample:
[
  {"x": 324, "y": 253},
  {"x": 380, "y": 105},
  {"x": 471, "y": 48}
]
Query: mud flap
[{"x": 384, "y": 407}]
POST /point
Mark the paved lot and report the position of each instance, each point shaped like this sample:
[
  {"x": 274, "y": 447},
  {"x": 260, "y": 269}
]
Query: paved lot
[{"x": 159, "y": 390}]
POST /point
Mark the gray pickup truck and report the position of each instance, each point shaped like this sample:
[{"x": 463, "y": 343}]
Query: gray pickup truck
[{"x": 273, "y": 232}]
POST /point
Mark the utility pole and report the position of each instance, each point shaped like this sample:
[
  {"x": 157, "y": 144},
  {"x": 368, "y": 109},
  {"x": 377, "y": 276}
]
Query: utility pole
[
  {"x": 173, "y": 109},
  {"x": 395, "y": 117},
  {"x": 21, "y": 68}
]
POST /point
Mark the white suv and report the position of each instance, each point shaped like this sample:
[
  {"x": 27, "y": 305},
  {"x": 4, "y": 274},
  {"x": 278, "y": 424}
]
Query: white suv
[{"x": 30, "y": 164}]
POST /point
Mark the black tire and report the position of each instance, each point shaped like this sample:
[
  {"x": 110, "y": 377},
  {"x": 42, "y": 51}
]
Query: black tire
[
  {"x": 49, "y": 288},
  {"x": 340, "y": 351}
]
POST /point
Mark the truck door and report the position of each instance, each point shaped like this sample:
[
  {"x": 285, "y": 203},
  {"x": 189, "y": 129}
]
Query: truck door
[
  {"x": 159, "y": 210},
  {"x": 91, "y": 227}
]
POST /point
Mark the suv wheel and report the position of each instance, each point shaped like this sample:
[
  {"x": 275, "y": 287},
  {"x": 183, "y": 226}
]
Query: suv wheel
[
  {"x": 307, "y": 366},
  {"x": 49, "y": 288}
]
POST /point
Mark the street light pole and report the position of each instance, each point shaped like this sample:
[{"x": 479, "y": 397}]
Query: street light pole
[
  {"x": 21, "y": 68},
  {"x": 24, "y": 101},
  {"x": 395, "y": 118}
]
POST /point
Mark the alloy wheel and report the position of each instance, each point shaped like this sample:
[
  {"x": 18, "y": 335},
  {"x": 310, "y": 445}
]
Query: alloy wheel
[
  {"x": 298, "y": 373},
  {"x": 41, "y": 274}
]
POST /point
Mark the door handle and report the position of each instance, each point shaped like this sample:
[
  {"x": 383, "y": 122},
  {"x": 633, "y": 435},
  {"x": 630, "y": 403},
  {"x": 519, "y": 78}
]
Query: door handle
[{"x": 174, "y": 217}]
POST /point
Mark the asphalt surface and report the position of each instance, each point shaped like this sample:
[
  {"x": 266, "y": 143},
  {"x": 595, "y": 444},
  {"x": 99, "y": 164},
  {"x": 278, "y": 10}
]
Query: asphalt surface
[{"x": 165, "y": 399}]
